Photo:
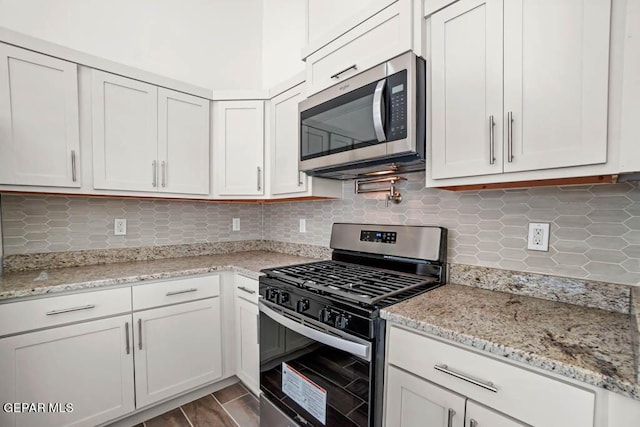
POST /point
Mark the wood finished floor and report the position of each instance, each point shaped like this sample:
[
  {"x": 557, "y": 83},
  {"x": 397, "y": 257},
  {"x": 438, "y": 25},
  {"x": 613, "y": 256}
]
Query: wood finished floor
[{"x": 232, "y": 406}]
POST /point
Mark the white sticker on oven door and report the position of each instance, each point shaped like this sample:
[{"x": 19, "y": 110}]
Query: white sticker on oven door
[{"x": 305, "y": 392}]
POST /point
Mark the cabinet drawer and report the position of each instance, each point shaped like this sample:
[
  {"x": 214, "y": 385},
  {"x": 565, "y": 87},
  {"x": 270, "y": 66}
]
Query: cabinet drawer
[
  {"x": 175, "y": 291},
  {"x": 23, "y": 316},
  {"x": 246, "y": 288},
  {"x": 522, "y": 394},
  {"x": 378, "y": 39}
]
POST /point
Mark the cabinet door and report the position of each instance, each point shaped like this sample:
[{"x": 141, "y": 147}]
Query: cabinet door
[
  {"x": 183, "y": 143},
  {"x": 466, "y": 84},
  {"x": 39, "y": 122},
  {"x": 240, "y": 145},
  {"x": 556, "y": 62},
  {"x": 177, "y": 348},
  {"x": 285, "y": 147},
  {"x": 480, "y": 416},
  {"x": 125, "y": 133},
  {"x": 412, "y": 401},
  {"x": 247, "y": 351},
  {"x": 89, "y": 365}
]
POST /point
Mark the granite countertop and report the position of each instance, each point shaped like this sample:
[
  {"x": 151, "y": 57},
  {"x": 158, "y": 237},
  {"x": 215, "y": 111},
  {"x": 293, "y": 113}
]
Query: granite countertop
[
  {"x": 16, "y": 285},
  {"x": 587, "y": 344}
]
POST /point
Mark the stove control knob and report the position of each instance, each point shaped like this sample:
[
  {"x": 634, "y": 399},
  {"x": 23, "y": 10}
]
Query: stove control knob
[
  {"x": 341, "y": 321},
  {"x": 302, "y": 305},
  {"x": 325, "y": 315},
  {"x": 283, "y": 298},
  {"x": 271, "y": 294}
]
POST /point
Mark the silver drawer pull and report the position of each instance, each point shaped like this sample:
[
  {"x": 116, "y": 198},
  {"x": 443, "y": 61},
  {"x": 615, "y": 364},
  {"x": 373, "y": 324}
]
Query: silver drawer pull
[
  {"x": 337, "y": 75},
  {"x": 473, "y": 423},
  {"x": 487, "y": 385},
  {"x": 247, "y": 290},
  {"x": 69, "y": 310},
  {"x": 185, "y": 291}
]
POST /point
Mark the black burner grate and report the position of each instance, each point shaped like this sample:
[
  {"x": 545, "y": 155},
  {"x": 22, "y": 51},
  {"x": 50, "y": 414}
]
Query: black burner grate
[{"x": 365, "y": 285}]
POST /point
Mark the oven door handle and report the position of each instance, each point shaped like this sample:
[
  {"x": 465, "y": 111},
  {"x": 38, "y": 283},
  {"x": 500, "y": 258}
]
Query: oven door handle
[{"x": 357, "y": 349}]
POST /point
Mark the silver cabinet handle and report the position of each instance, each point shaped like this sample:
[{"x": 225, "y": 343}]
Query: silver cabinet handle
[
  {"x": 69, "y": 310},
  {"x": 510, "y": 137},
  {"x": 154, "y": 169},
  {"x": 487, "y": 385},
  {"x": 140, "y": 334},
  {"x": 185, "y": 291},
  {"x": 450, "y": 415},
  {"x": 300, "y": 180},
  {"x": 259, "y": 178},
  {"x": 126, "y": 331},
  {"x": 163, "y": 165},
  {"x": 247, "y": 290},
  {"x": 337, "y": 75},
  {"x": 473, "y": 423},
  {"x": 492, "y": 155},
  {"x": 74, "y": 176},
  {"x": 378, "y": 124},
  {"x": 258, "y": 328}
]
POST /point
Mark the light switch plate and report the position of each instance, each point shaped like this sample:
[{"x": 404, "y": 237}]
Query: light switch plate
[
  {"x": 236, "y": 224},
  {"x": 303, "y": 225}
]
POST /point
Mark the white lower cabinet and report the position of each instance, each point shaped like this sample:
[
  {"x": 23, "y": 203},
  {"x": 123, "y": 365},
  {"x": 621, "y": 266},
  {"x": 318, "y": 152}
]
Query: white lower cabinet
[
  {"x": 412, "y": 401},
  {"x": 177, "y": 348},
  {"x": 88, "y": 365},
  {"x": 497, "y": 394},
  {"x": 246, "y": 332},
  {"x": 247, "y": 350}
]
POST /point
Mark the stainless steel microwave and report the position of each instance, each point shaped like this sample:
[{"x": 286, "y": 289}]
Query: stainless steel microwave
[{"x": 368, "y": 124}]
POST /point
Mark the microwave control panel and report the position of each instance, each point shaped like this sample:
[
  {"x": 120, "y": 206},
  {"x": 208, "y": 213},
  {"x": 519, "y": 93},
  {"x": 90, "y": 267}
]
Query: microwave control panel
[{"x": 397, "y": 98}]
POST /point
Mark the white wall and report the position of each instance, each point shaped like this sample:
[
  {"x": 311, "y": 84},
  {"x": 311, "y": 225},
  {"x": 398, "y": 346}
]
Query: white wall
[
  {"x": 283, "y": 35},
  {"x": 215, "y": 44}
]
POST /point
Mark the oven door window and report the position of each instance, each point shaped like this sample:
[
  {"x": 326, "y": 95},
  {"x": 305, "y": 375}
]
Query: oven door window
[
  {"x": 341, "y": 124},
  {"x": 341, "y": 379}
]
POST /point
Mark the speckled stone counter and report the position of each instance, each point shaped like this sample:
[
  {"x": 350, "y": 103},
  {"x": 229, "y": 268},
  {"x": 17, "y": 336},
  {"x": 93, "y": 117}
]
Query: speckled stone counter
[
  {"x": 586, "y": 344},
  {"x": 15, "y": 285}
]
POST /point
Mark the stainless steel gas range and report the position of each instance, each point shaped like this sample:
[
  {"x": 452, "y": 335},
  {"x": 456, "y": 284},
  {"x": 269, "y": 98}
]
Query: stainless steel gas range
[{"x": 321, "y": 335}]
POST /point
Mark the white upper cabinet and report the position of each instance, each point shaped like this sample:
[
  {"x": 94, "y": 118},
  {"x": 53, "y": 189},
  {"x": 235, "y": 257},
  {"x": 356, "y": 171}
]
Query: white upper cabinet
[
  {"x": 379, "y": 38},
  {"x": 239, "y": 142},
  {"x": 125, "y": 133},
  {"x": 286, "y": 178},
  {"x": 556, "y": 77},
  {"x": 39, "y": 122},
  {"x": 518, "y": 86},
  {"x": 466, "y": 89},
  {"x": 183, "y": 143},
  {"x": 147, "y": 138}
]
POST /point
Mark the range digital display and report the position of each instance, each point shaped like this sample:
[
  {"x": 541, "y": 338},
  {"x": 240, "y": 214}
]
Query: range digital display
[{"x": 378, "y": 236}]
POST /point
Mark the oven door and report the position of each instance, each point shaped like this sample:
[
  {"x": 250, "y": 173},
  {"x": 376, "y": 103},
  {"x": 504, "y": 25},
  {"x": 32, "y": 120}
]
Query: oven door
[{"x": 313, "y": 374}]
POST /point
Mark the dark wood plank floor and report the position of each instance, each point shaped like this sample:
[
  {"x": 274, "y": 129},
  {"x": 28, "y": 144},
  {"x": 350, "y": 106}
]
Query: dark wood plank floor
[{"x": 232, "y": 406}]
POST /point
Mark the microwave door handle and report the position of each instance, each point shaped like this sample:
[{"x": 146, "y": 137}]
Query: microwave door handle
[
  {"x": 362, "y": 350},
  {"x": 378, "y": 118}
]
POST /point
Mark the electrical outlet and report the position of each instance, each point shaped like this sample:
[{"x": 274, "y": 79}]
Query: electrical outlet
[
  {"x": 120, "y": 227},
  {"x": 303, "y": 225},
  {"x": 538, "y": 236},
  {"x": 235, "y": 224}
]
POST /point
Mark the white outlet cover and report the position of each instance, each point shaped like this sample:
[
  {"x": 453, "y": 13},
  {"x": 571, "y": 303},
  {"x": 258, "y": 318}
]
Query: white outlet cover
[
  {"x": 120, "y": 227},
  {"x": 303, "y": 225},
  {"x": 538, "y": 239},
  {"x": 236, "y": 224}
]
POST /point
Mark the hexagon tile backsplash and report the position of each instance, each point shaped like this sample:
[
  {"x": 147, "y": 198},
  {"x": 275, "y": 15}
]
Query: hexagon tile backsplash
[
  {"x": 33, "y": 224},
  {"x": 595, "y": 230}
]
